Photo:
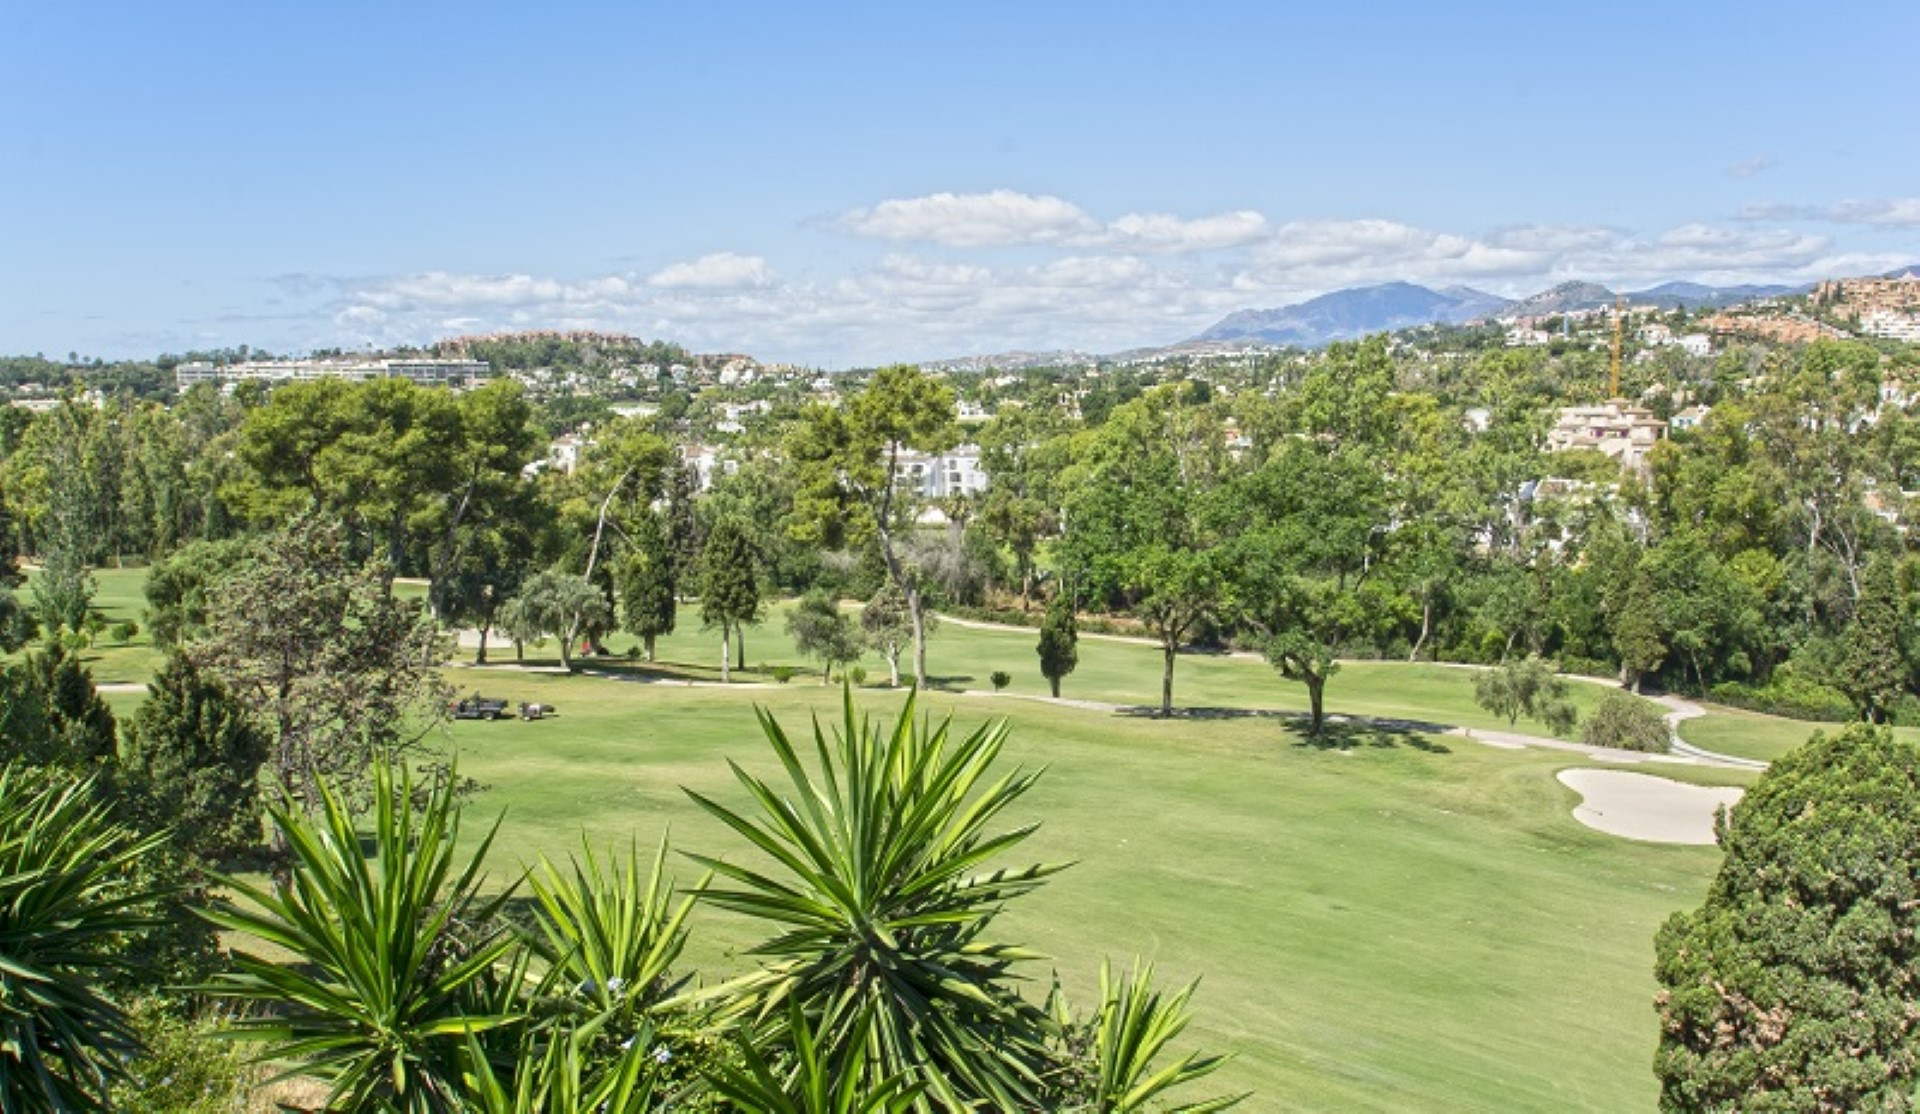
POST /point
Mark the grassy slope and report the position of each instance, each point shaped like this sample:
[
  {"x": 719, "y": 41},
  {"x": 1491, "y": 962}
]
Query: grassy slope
[
  {"x": 1403, "y": 926},
  {"x": 1411, "y": 925}
]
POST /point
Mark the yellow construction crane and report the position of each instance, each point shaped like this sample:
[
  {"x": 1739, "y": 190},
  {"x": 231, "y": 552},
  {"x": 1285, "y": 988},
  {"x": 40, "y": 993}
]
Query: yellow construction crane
[{"x": 1619, "y": 315}]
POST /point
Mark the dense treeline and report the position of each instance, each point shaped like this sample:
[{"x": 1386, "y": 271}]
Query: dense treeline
[{"x": 1359, "y": 502}]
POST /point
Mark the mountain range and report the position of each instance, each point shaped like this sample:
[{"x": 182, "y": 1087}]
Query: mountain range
[{"x": 1364, "y": 310}]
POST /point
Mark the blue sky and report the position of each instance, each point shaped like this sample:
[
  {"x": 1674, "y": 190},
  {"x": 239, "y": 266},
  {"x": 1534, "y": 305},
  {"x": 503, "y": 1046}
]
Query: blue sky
[{"x": 841, "y": 184}]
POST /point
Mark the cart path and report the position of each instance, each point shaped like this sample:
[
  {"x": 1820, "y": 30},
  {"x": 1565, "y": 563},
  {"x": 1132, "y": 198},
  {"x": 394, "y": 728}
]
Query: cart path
[{"x": 1678, "y": 708}]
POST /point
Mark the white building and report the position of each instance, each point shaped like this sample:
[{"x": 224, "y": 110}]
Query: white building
[
  {"x": 1617, "y": 428},
  {"x": 938, "y": 475},
  {"x": 1892, "y": 326},
  {"x": 1518, "y": 337},
  {"x": 1689, "y": 419},
  {"x": 418, "y": 369},
  {"x": 1695, "y": 344}
]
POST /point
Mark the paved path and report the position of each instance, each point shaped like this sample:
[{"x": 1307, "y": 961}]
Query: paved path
[{"x": 1678, "y": 709}]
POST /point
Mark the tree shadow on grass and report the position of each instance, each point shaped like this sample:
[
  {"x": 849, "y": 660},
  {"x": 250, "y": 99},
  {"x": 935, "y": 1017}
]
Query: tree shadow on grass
[{"x": 1337, "y": 733}]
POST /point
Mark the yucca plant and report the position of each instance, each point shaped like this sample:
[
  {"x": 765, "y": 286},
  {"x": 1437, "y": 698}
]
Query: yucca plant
[
  {"x": 66, "y": 906},
  {"x": 802, "y": 1077},
  {"x": 399, "y": 961},
  {"x": 1135, "y": 1025},
  {"x": 882, "y": 895},
  {"x": 558, "y": 1071},
  {"x": 609, "y": 938}
]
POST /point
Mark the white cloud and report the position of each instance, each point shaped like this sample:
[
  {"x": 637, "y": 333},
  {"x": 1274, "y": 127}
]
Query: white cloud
[
  {"x": 1143, "y": 279},
  {"x": 719, "y": 271},
  {"x": 971, "y": 219},
  {"x": 1747, "y": 168},
  {"x": 1165, "y": 232},
  {"x": 1883, "y": 212}
]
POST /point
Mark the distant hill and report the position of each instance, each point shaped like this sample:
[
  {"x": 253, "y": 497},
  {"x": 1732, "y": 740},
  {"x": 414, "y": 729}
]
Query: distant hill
[
  {"x": 1361, "y": 311},
  {"x": 1568, "y": 297},
  {"x": 1693, "y": 295}
]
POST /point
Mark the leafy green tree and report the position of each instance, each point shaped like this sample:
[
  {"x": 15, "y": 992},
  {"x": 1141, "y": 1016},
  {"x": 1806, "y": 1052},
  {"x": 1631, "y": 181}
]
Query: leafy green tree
[
  {"x": 177, "y": 589},
  {"x": 888, "y": 627},
  {"x": 820, "y": 629},
  {"x": 848, "y": 464},
  {"x": 17, "y": 625},
  {"x": 1792, "y": 987},
  {"x": 729, "y": 586},
  {"x": 648, "y": 584},
  {"x": 559, "y": 604},
  {"x": 62, "y": 593},
  {"x": 1636, "y": 633},
  {"x": 1874, "y": 667},
  {"x": 1308, "y": 562},
  {"x": 1059, "y": 647},
  {"x": 315, "y": 645},
  {"x": 67, "y": 912},
  {"x": 1143, "y": 533},
  {"x": 1526, "y": 687},
  {"x": 401, "y": 963},
  {"x": 192, "y": 756},
  {"x": 1626, "y": 722}
]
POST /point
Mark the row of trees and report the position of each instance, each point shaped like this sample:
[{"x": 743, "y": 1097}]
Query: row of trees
[{"x": 1352, "y": 504}]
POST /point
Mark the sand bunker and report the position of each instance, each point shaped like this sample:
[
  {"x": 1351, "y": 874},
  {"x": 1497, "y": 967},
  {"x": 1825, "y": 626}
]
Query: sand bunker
[{"x": 1639, "y": 806}]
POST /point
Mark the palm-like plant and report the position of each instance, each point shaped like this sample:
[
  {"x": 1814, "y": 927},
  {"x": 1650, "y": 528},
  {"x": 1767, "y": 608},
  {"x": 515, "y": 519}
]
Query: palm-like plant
[
  {"x": 609, "y": 938},
  {"x": 65, "y": 905},
  {"x": 1134, "y": 1026},
  {"x": 883, "y": 901},
  {"x": 811, "y": 1081},
  {"x": 397, "y": 957}
]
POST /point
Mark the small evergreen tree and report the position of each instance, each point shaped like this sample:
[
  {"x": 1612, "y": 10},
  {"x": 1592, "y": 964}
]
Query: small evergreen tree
[
  {"x": 1793, "y": 986},
  {"x": 1636, "y": 634},
  {"x": 53, "y": 714},
  {"x": 17, "y": 625},
  {"x": 729, "y": 586},
  {"x": 1626, "y": 722},
  {"x": 647, "y": 585},
  {"x": 192, "y": 759},
  {"x": 821, "y": 630},
  {"x": 1059, "y": 647},
  {"x": 1872, "y": 670}
]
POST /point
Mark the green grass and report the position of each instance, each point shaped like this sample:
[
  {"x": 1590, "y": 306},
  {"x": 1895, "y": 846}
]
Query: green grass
[
  {"x": 1411, "y": 924},
  {"x": 1752, "y": 735},
  {"x": 1408, "y": 923}
]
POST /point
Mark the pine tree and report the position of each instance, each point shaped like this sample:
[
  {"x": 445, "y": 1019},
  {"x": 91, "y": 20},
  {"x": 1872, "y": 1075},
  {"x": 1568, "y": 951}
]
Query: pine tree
[
  {"x": 1873, "y": 670},
  {"x": 17, "y": 625},
  {"x": 193, "y": 760},
  {"x": 1059, "y": 647},
  {"x": 729, "y": 586},
  {"x": 648, "y": 583}
]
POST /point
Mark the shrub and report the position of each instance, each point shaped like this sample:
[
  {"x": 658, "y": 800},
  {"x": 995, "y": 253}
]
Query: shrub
[
  {"x": 1626, "y": 722},
  {"x": 858, "y": 675},
  {"x": 1786, "y": 695},
  {"x": 782, "y": 673},
  {"x": 66, "y": 912},
  {"x": 185, "y": 1069},
  {"x": 122, "y": 633},
  {"x": 1000, "y": 678},
  {"x": 1792, "y": 986}
]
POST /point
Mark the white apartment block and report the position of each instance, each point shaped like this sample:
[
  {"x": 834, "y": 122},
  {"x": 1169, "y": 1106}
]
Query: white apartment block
[
  {"x": 938, "y": 475},
  {"x": 418, "y": 369},
  {"x": 1890, "y": 325}
]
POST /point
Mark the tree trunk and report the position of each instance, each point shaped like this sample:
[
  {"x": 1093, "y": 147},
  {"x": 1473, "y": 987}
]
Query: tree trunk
[
  {"x": 826, "y": 673},
  {"x": 893, "y": 665},
  {"x": 916, "y": 609},
  {"x": 481, "y": 657},
  {"x": 726, "y": 653},
  {"x": 740, "y": 650},
  {"x": 1426, "y": 625},
  {"x": 648, "y": 639},
  {"x": 1168, "y": 647},
  {"x": 519, "y": 651},
  {"x": 1054, "y": 684},
  {"x": 1316, "y": 703},
  {"x": 566, "y": 653}
]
